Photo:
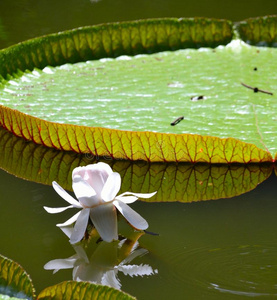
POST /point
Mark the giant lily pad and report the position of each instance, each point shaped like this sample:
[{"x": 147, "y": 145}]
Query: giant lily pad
[{"x": 213, "y": 127}]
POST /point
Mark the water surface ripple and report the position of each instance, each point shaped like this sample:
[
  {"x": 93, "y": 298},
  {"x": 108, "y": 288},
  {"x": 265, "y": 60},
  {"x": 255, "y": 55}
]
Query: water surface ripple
[{"x": 242, "y": 270}]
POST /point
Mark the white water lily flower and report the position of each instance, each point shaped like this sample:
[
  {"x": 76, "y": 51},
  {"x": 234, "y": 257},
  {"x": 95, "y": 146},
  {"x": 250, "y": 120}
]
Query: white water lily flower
[{"x": 96, "y": 187}]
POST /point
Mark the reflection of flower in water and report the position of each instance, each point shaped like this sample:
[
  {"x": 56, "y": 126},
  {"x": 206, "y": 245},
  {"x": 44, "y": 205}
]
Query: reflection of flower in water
[{"x": 105, "y": 262}]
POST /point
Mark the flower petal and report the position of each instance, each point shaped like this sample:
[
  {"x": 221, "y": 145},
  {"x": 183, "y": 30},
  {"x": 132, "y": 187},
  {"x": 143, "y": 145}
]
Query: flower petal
[
  {"x": 135, "y": 270},
  {"x": 111, "y": 187},
  {"x": 67, "y": 230},
  {"x": 80, "y": 226},
  {"x": 139, "y": 195},
  {"x": 137, "y": 253},
  {"x": 126, "y": 199},
  {"x": 95, "y": 174},
  {"x": 58, "y": 264},
  {"x": 65, "y": 195},
  {"x": 131, "y": 216},
  {"x": 104, "y": 219},
  {"x": 81, "y": 254},
  {"x": 56, "y": 210},
  {"x": 110, "y": 279},
  {"x": 83, "y": 191},
  {"x": 70, "y": 221}
]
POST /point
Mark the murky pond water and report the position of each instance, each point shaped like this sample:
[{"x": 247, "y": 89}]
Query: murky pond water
[{"x": 217, "y": 249}]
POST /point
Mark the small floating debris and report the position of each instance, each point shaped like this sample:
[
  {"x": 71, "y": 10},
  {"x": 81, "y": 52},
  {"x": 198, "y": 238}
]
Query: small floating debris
[
  {"x": 178, "y": 120},
  {"x": 256, "y": 90},
  {"x": 197, "y": 98}
]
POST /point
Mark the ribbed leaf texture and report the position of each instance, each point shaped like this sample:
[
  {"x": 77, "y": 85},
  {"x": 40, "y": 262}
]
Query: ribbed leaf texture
[
  {"x": 184, "y": 182},
  {"x": 115, "y": 39},
  {"x": 14, "y": 281},
  {"x": 261, "y": 31},
  {"x": 131, "y": 145},
  {"x": 82, "y": 290}
]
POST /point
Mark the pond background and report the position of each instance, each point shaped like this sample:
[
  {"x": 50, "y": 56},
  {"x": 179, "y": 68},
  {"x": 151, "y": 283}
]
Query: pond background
[
  {"x": 223, "y": 249},
  {"x": 25, "y": 19}
]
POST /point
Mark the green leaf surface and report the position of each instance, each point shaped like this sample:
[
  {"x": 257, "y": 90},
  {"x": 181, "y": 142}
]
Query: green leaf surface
[
  {"x": 81, "y": 291},
  {"x": 14, "y": 281},
  {"x": 174, "y": 182}
]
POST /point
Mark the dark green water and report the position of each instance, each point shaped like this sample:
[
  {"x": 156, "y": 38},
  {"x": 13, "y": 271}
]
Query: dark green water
[
  {"x": 222, "y": 249},
  {"x": 24, "y": 19}
]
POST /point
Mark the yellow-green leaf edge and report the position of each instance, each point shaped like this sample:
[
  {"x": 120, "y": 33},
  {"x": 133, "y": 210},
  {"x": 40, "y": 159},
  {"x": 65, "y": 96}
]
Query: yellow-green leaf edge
[
  {"x": 81, "y": 291},
  {"x": 12, "y": 274},
  {"x": 112, "y": 40}
]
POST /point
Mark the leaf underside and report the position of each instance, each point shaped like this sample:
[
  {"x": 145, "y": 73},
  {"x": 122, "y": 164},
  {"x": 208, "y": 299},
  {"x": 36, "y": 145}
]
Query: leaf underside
[
  {"x": 112, "y": 40},
  {"x": 259, "y": 31}
]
